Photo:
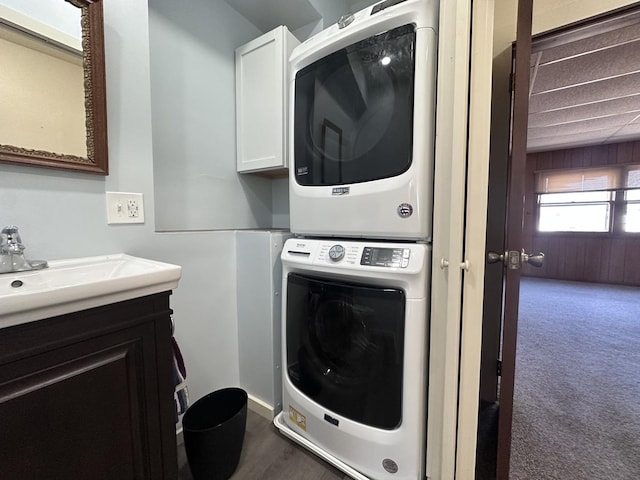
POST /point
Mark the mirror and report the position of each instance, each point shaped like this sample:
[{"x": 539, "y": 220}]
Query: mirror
[{"x": 87, "y": 122}]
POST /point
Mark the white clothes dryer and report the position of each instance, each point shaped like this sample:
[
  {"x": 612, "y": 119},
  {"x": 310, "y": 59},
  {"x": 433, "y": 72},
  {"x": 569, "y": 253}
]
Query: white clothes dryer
[
  {"x": 355, "y": 348},
  {"x": 361, "y": 130}
]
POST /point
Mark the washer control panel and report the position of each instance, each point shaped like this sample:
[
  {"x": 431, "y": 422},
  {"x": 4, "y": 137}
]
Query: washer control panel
[
  {"x": 385, "y": 257},
  {"x": 354, "y": 255}
]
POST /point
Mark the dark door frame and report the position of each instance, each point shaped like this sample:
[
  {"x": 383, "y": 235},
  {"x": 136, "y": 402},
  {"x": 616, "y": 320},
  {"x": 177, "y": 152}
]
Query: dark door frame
[{"x": 513, "y": 235}]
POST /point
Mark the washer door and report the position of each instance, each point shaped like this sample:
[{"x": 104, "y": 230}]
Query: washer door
[{"x": 345, "y": 347}]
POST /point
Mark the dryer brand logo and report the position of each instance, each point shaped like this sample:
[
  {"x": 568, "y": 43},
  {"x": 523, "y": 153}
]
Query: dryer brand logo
[
  {"x": 331, "y": 420},
  {"x": 296, "y": 417},
  {"x": 340, "y": 191},
  {"x": 405, "y": 210},
  {"x": 389, "y": 465}
]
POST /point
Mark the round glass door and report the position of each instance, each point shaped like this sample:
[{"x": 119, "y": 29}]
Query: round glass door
[
  {"x": 345, "y": 347},
  {"x": 353, "y": 112}
]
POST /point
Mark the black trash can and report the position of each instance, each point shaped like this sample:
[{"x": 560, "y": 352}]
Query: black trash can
[{"x": 214, "y": 432}]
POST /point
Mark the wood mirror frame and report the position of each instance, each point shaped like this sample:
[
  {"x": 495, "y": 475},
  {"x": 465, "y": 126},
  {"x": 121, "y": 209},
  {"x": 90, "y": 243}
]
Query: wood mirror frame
[{"x": 95, "y": 100}]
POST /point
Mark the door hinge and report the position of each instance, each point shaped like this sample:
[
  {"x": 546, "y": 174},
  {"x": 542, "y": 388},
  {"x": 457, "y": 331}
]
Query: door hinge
[{"x": 499, "y": 368}]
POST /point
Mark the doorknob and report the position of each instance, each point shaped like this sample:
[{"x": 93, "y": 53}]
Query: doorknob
[
  {"x": 493, "y": 257},
  {"x": 514, "y": 259},
  {"x": 534, "y": 259}
]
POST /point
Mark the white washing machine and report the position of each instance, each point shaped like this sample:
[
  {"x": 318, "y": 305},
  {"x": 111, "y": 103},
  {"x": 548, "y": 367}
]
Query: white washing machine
[
  {"x": 355, "y": 347},
  {"x": 362, "y": 117}
]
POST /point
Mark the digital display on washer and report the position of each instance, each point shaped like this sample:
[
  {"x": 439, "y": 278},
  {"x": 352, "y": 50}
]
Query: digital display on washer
[{"x": 385, "y": 257}]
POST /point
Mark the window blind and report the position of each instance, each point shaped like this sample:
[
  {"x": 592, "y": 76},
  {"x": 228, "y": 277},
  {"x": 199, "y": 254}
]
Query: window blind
[
  {"x": 588, "y": 179},
  {"x": 633, "y": 177}
]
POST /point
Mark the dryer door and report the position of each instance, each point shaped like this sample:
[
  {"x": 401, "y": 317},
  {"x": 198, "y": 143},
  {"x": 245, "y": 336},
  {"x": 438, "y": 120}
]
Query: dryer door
[
  {"x": 353, "y": 112},
  {"x": 345, "y": 347}
]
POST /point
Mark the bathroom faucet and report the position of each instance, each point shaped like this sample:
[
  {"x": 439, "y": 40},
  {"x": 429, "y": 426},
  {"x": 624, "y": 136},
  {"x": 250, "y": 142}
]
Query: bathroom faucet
[{"x": 12, "y": 253}]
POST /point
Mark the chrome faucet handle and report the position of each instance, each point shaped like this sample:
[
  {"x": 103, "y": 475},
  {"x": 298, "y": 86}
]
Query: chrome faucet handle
[
  {"x": 10, "y": 229},
  {"x": 12, "y": 253},
  {"x": 11, "y": 241}
]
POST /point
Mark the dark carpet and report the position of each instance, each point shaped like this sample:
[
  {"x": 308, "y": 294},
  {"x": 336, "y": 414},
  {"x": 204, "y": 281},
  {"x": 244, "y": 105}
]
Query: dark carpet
[{"x": 577, "y": 387}]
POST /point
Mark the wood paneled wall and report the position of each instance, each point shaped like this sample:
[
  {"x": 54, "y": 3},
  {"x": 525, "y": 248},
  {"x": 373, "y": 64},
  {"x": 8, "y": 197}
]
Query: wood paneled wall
[{"x": 603, "y": 258}]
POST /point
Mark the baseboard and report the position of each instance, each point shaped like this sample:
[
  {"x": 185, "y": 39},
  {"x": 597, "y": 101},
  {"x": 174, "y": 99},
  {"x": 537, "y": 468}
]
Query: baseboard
[{"x": 261, "y": 408}]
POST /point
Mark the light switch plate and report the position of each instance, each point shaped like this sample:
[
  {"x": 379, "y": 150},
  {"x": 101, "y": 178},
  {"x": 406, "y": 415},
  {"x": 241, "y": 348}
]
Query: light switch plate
[{"x": 123, "y": 207}]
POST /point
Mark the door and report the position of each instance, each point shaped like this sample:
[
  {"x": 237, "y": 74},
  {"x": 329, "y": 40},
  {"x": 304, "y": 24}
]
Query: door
[
  {"x": 513, "y": 256},
  {"x": 357, "y": 108},
  {"x": 89, "y": 395},
  {"x": 513, "y": 228},
  {"x": 345, "y": 347}
]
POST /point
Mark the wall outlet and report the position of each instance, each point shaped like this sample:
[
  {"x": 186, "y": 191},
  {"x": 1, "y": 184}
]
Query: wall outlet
[
  {"x": 124, "y": 207},
  {"x": 132, "y": 208}
]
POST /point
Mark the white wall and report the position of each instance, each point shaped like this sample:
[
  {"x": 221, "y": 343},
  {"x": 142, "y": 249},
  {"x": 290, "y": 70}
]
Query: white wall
[
  {"x": 280, "y": 203},
  {"x": 192, "y": 46},
  {"x": 62, "y": 214},
  {"x": 204, "y": 302},
  {"x": 330, "y": 10},
  {"x": 259, "y": 276},
  {"x": 61, "y": 16}
]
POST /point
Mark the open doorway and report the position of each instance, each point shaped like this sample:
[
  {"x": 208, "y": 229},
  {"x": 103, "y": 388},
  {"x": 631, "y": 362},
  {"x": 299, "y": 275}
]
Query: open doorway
[{"x": 605, "y": 255}]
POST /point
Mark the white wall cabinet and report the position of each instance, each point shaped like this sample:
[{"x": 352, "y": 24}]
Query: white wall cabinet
[{"x": 261, "y": 101}]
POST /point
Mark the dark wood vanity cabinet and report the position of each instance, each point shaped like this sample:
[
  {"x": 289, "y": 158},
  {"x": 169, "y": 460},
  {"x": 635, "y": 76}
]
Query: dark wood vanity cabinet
[{"x": 89, "y": 395}]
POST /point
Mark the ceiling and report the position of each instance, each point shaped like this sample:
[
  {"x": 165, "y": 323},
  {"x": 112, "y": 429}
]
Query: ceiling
[
  {"x": 268, "y": 14},
  {"x": 585, "y": 85},
  {"x": 295, "y": 14}
]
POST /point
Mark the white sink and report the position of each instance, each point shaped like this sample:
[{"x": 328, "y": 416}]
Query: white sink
[{"x": 80, "y": 283}]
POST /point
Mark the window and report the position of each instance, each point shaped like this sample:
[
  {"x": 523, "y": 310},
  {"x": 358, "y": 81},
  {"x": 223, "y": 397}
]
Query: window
[
  {"x": 632, "y": 200},
  {"x": 586, "y": 200},
  {"x": 575, "y": 212}
]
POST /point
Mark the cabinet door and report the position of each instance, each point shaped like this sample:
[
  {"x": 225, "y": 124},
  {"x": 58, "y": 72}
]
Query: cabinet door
[
  {"x": 88, "y": 395},
  {"x": 260, "y": 103},
  {"x": 80, "y": 412}
]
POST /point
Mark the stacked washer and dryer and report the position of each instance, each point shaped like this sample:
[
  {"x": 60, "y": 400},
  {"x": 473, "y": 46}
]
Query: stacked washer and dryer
[{"x": 356, "y": 276}]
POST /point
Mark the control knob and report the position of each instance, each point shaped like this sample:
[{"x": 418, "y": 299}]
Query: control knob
[{"x": 336, "y": 253}]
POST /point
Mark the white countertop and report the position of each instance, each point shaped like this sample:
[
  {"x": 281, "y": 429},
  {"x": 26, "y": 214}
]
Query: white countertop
[{"x": 80, "y": 283}]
